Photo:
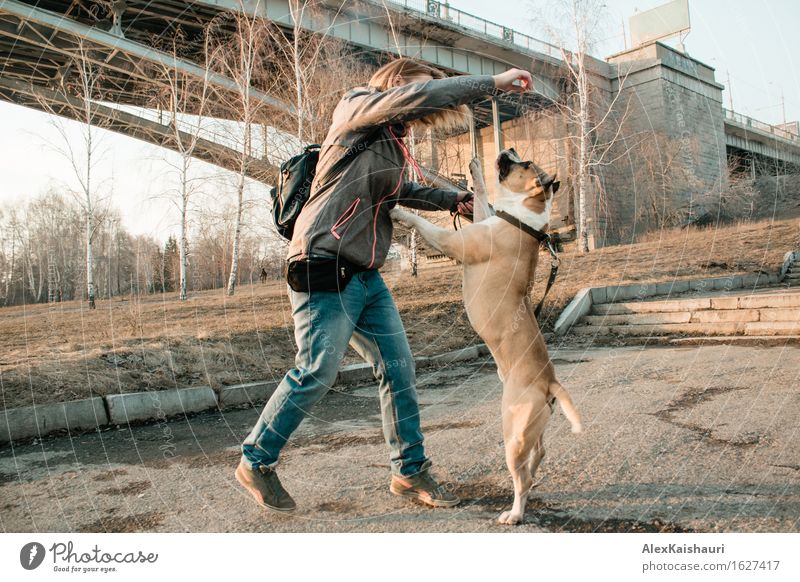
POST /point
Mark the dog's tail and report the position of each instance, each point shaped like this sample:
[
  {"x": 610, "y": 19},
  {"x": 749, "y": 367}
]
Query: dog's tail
[{"x": 567, "y": 406}]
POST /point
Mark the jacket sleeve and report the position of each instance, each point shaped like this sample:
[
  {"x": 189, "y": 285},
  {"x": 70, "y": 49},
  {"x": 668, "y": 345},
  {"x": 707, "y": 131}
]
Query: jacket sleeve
[
  {"x": 414, "y": 100},
  {"x": 421, "y": 197}
]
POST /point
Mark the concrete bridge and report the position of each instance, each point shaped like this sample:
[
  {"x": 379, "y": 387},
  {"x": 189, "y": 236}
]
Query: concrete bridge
[
  {"x": 756, "y": 141},
  {"x": 669, "y": 94}
]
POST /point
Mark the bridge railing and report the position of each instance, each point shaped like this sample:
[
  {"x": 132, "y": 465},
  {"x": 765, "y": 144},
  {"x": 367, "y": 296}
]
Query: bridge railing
[
  {"x": 446, "y": 13},
  {"x": 761, "y": 126}
]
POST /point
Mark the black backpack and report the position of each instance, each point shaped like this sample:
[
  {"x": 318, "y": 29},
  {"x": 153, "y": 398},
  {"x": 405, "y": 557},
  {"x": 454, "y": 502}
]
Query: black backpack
[{"x": 297, "y": 175}]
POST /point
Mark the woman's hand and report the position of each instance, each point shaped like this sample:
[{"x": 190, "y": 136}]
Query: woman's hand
[
  {"x": 464, "y": 204},
  {"x": 505, "y": 81}
]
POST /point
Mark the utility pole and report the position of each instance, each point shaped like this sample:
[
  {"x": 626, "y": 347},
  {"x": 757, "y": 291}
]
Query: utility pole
[
  {"x": 730, "y": 93},
  {"x": 624, "y": 35},
  {"x": 783, "y": 108}
]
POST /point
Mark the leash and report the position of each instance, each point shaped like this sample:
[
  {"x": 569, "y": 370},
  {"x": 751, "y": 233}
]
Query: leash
[{"x": 546, "y": 241}]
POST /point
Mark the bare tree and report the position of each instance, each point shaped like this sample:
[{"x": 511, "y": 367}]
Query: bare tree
[
  {"x": 9, "y": 239},
  {"x": 187, "y": 101},
  {"x": 597, "y": 120},
  {"x": 80, "y": 87},
  {"x": 311, "y": 71},
  {"x": 241, "y": 58}
]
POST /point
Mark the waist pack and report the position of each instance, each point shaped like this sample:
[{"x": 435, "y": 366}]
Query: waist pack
[
  {"x": 297, "y": 175},
  {"x": 321, "y": 274}
]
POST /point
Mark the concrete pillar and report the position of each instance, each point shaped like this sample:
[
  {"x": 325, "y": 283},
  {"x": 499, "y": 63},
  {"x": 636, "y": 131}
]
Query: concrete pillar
[
  {"x": 498, "y": 133},
  {"x": 434, "y": 161},
  {"x": 473, "y": 139}
]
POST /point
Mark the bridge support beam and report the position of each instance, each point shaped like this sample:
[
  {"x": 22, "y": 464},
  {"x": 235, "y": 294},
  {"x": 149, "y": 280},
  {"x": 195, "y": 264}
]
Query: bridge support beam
[
  {"x": 131, "y": 125},
  {"x": 59, "y": 34}
]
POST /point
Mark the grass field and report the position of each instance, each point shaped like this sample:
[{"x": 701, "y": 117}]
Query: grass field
[{"x": 64, "y": 351}]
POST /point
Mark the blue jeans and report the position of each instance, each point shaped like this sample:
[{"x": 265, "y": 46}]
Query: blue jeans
[{"x": 365, "y": 316}]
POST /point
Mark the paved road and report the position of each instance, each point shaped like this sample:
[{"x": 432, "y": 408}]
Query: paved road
[{"x": 677, "y": 439}]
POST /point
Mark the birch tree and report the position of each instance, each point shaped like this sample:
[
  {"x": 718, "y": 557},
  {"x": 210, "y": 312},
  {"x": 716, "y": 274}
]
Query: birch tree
[
  {"x": 187, "y": 100},
  {"x": 81, "y": 81},
  {"x": 9, "y": 240},
  {"x": 597, "y": 122},
  {"x": 240, "y": 58},
  {"x": 311, "y": 71}
]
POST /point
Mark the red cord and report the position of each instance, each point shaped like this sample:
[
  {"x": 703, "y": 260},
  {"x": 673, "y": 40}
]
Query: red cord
[{"x": 409, "y": 158}]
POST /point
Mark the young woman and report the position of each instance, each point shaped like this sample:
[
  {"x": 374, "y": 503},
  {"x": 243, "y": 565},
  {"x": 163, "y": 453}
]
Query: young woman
[{"x": 343, "y": 234}]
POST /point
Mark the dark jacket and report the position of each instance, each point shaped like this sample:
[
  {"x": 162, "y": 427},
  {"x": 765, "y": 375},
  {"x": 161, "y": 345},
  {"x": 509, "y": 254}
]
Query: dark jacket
[{"x": 348, "y": 215}]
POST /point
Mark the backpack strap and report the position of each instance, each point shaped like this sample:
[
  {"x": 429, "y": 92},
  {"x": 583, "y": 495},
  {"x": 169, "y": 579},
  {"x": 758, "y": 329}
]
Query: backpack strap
[{"x": 351, "y": 152}]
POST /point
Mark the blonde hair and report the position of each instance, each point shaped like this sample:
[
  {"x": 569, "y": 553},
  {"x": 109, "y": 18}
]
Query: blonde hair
[{"x": 448, "y": 120}]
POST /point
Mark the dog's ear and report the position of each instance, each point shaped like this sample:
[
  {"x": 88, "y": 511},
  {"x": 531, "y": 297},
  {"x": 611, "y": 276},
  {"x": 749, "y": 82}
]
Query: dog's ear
[{"x": 551, "y": 182}]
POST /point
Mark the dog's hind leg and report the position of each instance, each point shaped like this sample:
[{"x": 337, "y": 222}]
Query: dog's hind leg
[
  {"x": 517, "y": 458},
  {"x": 536, "y": 459},
  {"x": 523, "y": 425}
]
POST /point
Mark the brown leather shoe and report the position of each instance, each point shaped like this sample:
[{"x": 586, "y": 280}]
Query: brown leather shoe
[
  {"x": 423, "y": 486},
  {"x": 264, "y": 485}
]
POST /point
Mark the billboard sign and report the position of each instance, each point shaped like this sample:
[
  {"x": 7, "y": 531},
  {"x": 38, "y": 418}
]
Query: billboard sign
[{"x": 660, "y": 22}]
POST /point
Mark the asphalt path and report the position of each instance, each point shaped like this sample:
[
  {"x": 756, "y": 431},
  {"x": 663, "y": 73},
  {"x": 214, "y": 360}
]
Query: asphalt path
[{"x": 696, "y": 438}]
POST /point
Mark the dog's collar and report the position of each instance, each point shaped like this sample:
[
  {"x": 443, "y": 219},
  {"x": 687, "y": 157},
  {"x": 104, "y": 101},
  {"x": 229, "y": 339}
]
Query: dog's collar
[
  {"x": 544, "y": 240},
  {"x": 542, "y": 237}
]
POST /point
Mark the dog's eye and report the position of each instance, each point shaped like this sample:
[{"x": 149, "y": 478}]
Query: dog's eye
[{"x": 526, "y": 165}]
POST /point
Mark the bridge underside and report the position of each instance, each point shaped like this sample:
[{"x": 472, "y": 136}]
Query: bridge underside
[
  {"x": 747, "y": 162},
  {"x": 42, "y": 40},
  {"x": 759, "y": 151}
]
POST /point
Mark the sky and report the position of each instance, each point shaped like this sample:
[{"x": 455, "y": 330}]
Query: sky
[{"x": 754, "y": 43}]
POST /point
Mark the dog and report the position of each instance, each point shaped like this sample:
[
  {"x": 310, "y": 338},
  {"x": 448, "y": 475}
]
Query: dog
[{"x": 499, "y": 260}]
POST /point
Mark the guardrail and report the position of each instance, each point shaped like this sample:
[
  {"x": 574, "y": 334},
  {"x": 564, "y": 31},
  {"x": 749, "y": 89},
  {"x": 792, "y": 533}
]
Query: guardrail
[
  {"x": 446, "y": 13},
  {"x": 749, "y": 122}
]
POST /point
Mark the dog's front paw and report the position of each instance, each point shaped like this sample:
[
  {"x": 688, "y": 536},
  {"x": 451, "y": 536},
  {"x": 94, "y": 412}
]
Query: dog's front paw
[
  {"x": 475, "y": 169},
  {"x": 400, "y": 215},
  {"x": 510, "y": 518}
]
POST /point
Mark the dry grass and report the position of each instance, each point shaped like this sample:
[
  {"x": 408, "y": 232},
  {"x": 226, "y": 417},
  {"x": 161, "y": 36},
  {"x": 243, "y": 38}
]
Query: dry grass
[{"x": 65, "y": 351}]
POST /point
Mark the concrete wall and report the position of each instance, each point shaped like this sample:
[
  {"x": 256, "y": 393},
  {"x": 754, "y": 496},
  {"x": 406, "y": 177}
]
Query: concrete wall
[{"x": 672, "y": 109}]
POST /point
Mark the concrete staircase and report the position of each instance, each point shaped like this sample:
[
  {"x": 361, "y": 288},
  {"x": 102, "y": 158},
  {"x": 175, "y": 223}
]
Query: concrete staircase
[
  {"x": 769, "y": 313},
  {"x": 792, "y": 278}
]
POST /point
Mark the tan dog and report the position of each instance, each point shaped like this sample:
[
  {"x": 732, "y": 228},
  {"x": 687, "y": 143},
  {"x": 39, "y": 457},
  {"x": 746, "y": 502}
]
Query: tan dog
[{"x": 499, "y": 262}]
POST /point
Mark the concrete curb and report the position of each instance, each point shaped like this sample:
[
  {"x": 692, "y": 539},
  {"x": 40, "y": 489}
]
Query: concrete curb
[
  {"x": 94, "y": 413},
  {"x": 354, "y": 373},
  {"x": 246, "y": 393},
  {"x": 582, "y": 303},
  {"x": 158, "y": 404},
  {"x": 34, "y": 421},
  {"x": 469, "y": 353},
  {"x": 737, "y": 340}
]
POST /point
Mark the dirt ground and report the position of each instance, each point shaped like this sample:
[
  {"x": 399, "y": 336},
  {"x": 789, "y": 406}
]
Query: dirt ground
[
  {"x": 65, "y": 352},
  {"x": 698, "y": 439}
]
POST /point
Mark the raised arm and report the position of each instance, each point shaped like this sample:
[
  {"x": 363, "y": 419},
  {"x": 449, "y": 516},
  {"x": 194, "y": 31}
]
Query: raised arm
[{"x": 370, "y": 108}]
